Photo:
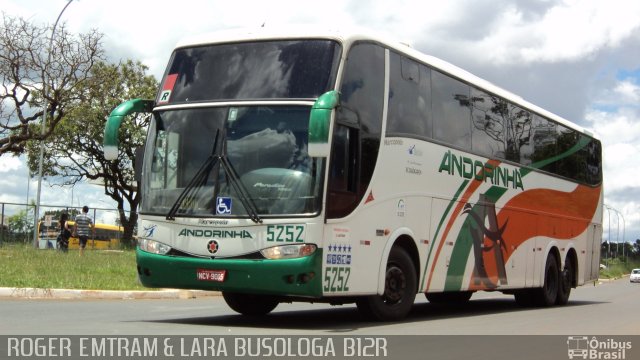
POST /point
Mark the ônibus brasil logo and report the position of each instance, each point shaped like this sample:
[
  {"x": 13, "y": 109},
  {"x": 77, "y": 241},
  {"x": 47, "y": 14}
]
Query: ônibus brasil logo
[{"x": 584, "y": 348}]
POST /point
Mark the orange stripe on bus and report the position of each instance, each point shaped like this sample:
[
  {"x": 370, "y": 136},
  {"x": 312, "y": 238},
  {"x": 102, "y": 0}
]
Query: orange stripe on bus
[{"x": 475, "y": 184}]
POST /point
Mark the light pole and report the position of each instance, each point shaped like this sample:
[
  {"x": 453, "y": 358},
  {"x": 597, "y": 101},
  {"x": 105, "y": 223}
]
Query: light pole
[
  {"x": 43, "y": 127},
  {"x": 624, "y": 242},
  {"x": 609, "y": 236},
  {"x": 624, "y": 227}
]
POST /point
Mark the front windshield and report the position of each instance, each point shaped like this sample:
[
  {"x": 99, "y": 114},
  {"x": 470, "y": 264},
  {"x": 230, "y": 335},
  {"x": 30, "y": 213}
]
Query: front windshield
[
  {"x": 282, "y": 69},
  {"x": 266, "y": 146}
]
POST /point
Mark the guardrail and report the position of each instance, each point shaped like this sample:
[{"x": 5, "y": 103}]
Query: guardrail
[{"x": 21, "y": 229}]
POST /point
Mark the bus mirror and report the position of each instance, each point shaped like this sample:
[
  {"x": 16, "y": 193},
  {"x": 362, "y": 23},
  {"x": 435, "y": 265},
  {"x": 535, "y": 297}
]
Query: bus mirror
[
  {"x": 110, "y": 142},
  {"x": 319, "y": 121}
]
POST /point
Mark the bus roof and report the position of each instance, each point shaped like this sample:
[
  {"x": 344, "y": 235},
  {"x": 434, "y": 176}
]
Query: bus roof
[{"x": 349, "y": 35}]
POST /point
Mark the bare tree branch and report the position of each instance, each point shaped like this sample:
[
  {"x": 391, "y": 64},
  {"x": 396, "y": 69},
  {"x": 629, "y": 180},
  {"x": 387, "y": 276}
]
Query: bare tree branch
[{"x": 28, "y": 78}]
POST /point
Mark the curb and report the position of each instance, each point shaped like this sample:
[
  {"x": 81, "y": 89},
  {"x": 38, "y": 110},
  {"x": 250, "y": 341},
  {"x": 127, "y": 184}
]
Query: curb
[{"x": 40, "y": 293}]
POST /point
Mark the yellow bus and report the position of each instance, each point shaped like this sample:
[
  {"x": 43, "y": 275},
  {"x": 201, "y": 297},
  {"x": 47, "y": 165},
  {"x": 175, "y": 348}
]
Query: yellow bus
[{"x": 102, "y": 237}]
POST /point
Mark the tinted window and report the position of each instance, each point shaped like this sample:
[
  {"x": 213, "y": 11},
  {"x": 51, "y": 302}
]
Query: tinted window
[
  {"x": 544, "y": 134},
  {"x": 451, "y": 113},
  {"x": 409, "y": 98},
  {"x": 594, "y": 162},
  {"x": 258, "y": 70},
  {"x": 570, "y": 164},
  {"x": 488, "y": 124},
  {"x": 566, "y": 152},
  {"x": 359, "y": 120},
  {"x": 264, "y": 152},
  {"x": 518, "y": 134}
]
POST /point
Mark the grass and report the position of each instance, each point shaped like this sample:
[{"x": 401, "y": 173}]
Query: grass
[
  {"x": 25, "y": 266},
  {"x": 616, "y": 268}
]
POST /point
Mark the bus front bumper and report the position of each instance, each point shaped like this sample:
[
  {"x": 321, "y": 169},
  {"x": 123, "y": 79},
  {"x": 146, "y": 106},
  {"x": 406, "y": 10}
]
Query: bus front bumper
[{"x": 285, "y": 277}]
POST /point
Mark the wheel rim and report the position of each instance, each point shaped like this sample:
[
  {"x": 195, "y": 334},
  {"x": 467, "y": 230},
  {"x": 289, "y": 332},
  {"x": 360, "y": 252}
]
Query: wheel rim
[
  {"x": 395, "y": 284},
  {"x": 565, "y": 280}
]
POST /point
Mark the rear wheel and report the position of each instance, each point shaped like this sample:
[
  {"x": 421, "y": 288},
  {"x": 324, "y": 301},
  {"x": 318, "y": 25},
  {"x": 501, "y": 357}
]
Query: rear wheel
[
  {"x": 399, "y": 290},
  {"x": 565, "y": 282},
  {"x": 250, "y": 304},
  {"x": 548, "y": 293}
]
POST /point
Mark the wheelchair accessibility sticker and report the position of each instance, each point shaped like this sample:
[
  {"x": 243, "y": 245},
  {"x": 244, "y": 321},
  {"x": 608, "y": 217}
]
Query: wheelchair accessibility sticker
[{"x": 223, "y": 206}]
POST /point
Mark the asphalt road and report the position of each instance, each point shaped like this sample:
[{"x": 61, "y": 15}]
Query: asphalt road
[{"x": 611, "y": 308}]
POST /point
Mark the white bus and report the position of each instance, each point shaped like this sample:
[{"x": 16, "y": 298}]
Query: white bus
[{"x": 340, "y": 167}]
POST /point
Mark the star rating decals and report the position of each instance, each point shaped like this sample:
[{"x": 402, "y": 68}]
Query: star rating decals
[{"x": 341, "y": 248}]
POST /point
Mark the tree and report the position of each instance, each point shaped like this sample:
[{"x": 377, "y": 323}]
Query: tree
[
  {"x": 74, "y": 150},
  {"x": 505, "y": 124},
  {"x": 20, "y": 225},
  {"x": 31, "y": 76}
]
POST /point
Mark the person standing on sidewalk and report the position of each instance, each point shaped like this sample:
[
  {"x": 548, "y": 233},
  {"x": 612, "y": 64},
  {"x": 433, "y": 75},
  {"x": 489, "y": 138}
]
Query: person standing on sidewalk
[
  {"x": 83, "y": 228},
  {"x": 65, "y": 233}
]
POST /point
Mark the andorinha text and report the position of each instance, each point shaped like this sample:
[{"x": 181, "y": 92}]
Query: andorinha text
[
  {"x": 221, "y": 234},
  {"x": 468, "y": 168},
  {"x": 97, "y": 347}
]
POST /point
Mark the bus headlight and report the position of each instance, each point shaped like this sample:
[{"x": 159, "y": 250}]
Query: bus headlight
[
  {"x": 288, "y": 251},
  {"x": 153, "y": 246}
]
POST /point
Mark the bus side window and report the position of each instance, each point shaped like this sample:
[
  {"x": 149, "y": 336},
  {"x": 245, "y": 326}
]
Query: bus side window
[
  {"x": 451, "y": 110},
  {"x": 356, "y": 137},
  {"x": 343, "y": 171},
  {"x": 409, "y": 98}
]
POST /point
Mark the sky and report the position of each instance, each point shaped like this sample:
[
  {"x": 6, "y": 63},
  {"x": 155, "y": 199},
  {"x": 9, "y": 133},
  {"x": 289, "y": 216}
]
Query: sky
[{"x": 579, "y": 59}]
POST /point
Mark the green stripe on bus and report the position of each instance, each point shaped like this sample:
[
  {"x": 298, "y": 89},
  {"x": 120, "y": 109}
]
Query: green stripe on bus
[
  {"x": 581, "y": 144},
  {"x": 462, "y": 249},
  {"x": 444, "y": 217}
]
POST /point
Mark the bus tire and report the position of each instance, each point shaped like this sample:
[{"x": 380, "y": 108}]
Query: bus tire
[
  {"x": 565, "y": 282},
  {"x": 399, "y": 290},
  {"x": 452, "y": 297},
  {"x": 250, "y": 304},
  {"x": 548, "y": 293}
]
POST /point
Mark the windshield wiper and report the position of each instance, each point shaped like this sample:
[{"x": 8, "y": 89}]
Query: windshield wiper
[
  {"x": 202, "y": 175},
  {"x": 241, "y": 190},
  {"x": 200, "y": 178}
]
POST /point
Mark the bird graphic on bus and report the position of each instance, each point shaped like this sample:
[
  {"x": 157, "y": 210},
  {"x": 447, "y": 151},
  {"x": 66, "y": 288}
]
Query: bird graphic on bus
[{"x": 480, "y": 234}]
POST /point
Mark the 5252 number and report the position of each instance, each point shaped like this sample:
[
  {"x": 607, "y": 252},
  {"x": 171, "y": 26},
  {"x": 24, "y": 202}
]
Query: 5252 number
[
  {"x": 285, "y": 233},
  {"x": 336, "y": 278}
]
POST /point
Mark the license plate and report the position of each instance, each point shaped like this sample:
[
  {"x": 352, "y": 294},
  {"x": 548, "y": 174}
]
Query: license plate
[{"x": 211, "y": 275}]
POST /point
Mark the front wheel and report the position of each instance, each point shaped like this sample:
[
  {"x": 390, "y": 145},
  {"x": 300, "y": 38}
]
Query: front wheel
[
  {"x": 250, "y": 304},
  {"x": 399, "y": 290}
]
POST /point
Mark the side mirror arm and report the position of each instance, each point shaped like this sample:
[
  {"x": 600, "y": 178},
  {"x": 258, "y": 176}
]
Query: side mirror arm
[
  {"x": 320, "y": 122},
  {"x": 110, "y": 141}
]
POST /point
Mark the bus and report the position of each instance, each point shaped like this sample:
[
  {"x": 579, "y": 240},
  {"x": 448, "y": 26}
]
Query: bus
[
  {"x": 103, "y": 236},
  {"x": 342, "y": 167}
]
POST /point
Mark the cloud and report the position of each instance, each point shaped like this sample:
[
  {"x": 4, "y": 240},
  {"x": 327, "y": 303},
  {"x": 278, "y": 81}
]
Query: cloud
[
  {"x": 576, "y": 58},
  {"x": 619, "y": 128},
  {"x": 9, "y": 163},
  {"x": 569, "y": 30},
  {"x": 628, "y": 92}
]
